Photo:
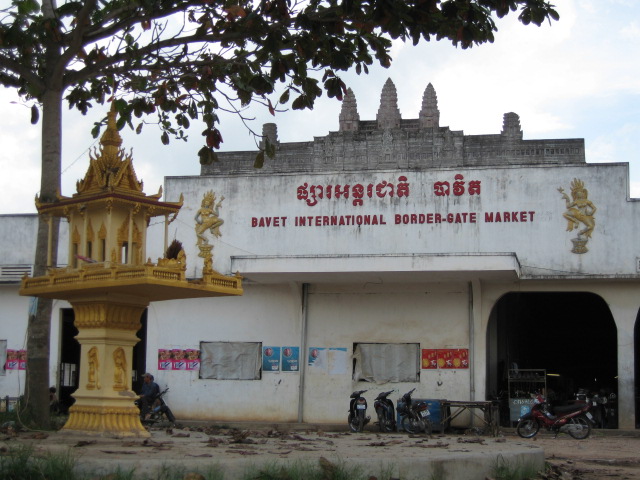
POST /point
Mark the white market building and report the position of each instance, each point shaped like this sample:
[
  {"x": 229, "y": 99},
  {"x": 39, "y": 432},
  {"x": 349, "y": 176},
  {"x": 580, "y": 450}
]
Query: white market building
[{"x": 391, "y": 253}]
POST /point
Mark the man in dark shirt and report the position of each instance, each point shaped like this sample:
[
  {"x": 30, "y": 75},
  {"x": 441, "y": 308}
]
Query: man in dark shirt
[
  {"x": 148, "y": 394},
  {"x": 149, "y": 390}
]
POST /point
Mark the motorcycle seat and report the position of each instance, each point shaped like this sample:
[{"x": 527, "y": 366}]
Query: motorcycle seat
[{"x": 559, "y": 410}]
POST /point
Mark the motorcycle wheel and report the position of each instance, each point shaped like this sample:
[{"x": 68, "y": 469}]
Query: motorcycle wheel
[
  {"x": 412, "y": 425},
  {"x": 428, "y": 426},
  {"x": 384, "y": 424},
  {"x": 579, "y": 427},
  {"x": 353, "y": 423},
  {"x": 527, "y": 428},
  {"x": 360, "y": 423}
]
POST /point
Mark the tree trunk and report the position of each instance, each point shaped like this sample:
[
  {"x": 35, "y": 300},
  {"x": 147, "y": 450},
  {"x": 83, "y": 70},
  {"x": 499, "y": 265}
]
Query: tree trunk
[{"x": 39, "y": 326}]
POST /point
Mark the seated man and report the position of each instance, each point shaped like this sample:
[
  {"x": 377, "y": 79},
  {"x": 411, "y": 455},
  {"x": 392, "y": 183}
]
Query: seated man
[
  {"x": 148, "y": 393},
  {"x": 149, "y": 400}
]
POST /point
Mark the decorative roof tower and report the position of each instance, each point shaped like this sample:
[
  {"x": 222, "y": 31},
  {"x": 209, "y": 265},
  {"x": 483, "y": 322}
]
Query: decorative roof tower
[
  {"x": 388, "y": 113},
  {"x": 429, "y": 114},
  {"x": 511, "y": 127},
  {"x": 349, "y": 118},
  {"x": 109, "y": 284}
]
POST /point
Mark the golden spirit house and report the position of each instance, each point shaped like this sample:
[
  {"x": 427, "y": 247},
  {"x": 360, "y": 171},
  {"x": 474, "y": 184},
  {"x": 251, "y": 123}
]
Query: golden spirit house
[{"x": 399, "y": 253}]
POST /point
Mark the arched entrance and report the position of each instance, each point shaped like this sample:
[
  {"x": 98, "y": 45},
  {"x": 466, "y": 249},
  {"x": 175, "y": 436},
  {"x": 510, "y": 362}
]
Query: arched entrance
[{"x": 571, "y": 336}]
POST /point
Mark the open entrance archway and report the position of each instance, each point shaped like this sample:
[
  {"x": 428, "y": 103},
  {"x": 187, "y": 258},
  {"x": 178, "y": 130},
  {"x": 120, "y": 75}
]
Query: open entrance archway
[{"x": 571, "y": 336}]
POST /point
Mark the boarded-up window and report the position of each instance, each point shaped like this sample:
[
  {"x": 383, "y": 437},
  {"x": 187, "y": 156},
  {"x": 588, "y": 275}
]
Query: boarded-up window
[
  {"x": 3, "y": 356},
  {"x": 386, "y": 362},
  {"x": 230, "y": 360}
]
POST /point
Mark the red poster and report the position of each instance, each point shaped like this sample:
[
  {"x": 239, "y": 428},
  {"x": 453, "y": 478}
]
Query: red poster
[
  {"x": 461, "y": 358},
  {"x": 193, "y": 359},
  {"x": 12, "y": 360},
  {"x": 22, "y": 359},
  {"x": 179, "y": 360},
  {"x": 164, "y": 359},
  {"x": 453, "y": 358},
  {"x": 429, "y": 358}
]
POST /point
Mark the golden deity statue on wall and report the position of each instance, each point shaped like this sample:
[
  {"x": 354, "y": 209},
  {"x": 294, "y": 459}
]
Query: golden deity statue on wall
[
  {"x": 580, "y": 211},
  {"x": 208, "y": 219}
]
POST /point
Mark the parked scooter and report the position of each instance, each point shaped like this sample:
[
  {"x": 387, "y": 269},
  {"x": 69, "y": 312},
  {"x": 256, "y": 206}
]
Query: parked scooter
[
  {"x": 415, "y": 416},
  {"x": 358, "y": 412},
  {"x": 576, "y": 418},
  {"x": 157, "y": 411},
  {"x": 599, "y": 406},
  {"x": 386, "y": 412}
]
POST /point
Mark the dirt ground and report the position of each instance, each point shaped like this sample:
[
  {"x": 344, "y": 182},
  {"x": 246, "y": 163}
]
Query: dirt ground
[
  {"x": 613, "y": 455},
  {"x": 604, "y": 455}
]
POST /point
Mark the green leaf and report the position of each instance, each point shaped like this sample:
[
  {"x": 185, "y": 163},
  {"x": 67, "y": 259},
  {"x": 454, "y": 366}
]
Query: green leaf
[
  {"x": 35, "y": 114},
  {"x": 269, "y": 148},
  {"x": 259, "y": 162},
  {"x": 207, "y": 156}
]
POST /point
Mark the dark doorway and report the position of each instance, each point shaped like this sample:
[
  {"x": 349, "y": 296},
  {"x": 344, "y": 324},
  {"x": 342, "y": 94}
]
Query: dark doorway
[
  {"x": 70, "y": 358},
  {"x": 139, "y": 361},
  {"x": 572, "y": 336}
]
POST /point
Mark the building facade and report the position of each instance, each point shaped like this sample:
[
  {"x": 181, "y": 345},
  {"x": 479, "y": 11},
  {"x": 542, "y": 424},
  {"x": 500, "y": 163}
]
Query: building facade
[{"x": 396, "y": 253}]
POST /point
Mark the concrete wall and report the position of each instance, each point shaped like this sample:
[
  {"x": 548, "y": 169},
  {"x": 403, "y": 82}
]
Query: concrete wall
[
  {"x": 519, "y": 210},
  {"x": 14, "y": 311},
  {"x": 432, "y": 315}
]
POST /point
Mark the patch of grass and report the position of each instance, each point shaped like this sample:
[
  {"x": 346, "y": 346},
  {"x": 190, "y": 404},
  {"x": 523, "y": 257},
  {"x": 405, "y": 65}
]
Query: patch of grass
[
  {"x": 181, "y": 472},
  {"x": 20, "y": 463},
  {"x": 504, "y": 470},
  {"x": 324, "y": 470}
]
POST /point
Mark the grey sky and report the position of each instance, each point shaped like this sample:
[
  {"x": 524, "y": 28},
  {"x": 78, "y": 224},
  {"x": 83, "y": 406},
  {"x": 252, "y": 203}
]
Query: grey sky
[{"x": 579, "y": 78}]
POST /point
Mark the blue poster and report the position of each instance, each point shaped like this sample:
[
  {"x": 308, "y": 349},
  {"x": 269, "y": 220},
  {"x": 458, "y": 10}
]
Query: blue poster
[
  {"x": 290, "y": 359},
  {"x": 270, "y": 359}
]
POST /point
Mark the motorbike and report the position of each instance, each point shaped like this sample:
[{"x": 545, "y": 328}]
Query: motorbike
[
  {"x": 156, "y": 411},
  {"x": 600, "y": 407},
  {"x": 358, "y": 411},
  {"x": 415, "y": 416},
  {"x": 386, "y": 412},
  {"x": 575, "y": 419}
]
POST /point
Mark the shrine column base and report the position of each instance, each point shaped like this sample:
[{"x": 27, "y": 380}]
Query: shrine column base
[{"x": 107, "y": 327}]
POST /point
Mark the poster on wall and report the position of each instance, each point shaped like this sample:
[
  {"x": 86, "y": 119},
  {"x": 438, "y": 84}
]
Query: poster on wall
[
  {"x": 22, "y": 359},
  {"x": 290, "y": 359},
  {"x": 429, "y": 358},
  {"x": 12, "y": 362},
  {"x": 270, "y": 359},
  {"x": 178, "y": 357},
  {"x": 193, "y": 359},
  {"x": 453, "y": 358},
  {"x": 164, "y": 359},
  {"x": 332, "y": 361}
]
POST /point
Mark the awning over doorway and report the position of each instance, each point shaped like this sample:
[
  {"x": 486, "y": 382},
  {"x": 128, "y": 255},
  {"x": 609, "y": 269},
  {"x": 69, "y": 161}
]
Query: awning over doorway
[{"x": 371, "y": 268}]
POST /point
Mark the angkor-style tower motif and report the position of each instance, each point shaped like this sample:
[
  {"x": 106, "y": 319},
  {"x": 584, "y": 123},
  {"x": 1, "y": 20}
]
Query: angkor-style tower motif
[
  {"x": 349, "y": 117},
  {"x": 429, "y": 114},
  {"x": 270, "y": 132},
  {"x": 388, "y": 113},
  {"x": 511, "y": 126},
  {"x": 391, "y": 141}
]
